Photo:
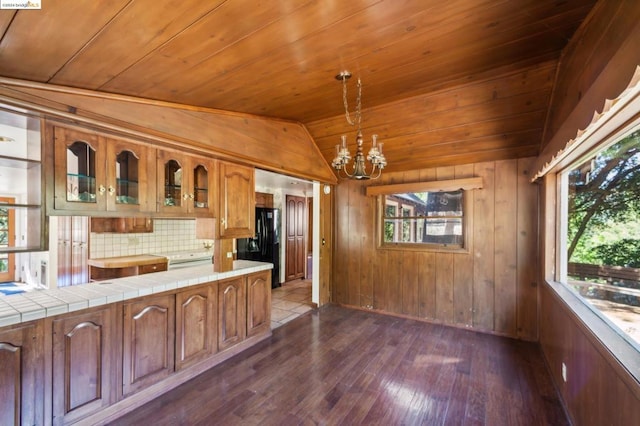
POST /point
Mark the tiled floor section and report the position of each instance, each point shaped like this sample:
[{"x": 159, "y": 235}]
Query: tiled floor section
[{"x": 290, "y": 301}]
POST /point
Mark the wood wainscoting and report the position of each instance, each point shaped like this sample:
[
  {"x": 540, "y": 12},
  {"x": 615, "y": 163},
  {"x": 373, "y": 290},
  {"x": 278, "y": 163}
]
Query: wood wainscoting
[{"x": 492, "y": 288}]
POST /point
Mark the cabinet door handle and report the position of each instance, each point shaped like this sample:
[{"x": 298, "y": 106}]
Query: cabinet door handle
[
  {"x": 191, "y": 196},
  {"x": 185, "y": 196},
  {"x": 223, "y": 221},
  {"x": 112, "y": 190},
  {"x": 102, "y": 189}
]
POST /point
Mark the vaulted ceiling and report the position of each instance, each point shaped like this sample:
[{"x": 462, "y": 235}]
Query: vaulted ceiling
[{"x": 444, "y": 82}]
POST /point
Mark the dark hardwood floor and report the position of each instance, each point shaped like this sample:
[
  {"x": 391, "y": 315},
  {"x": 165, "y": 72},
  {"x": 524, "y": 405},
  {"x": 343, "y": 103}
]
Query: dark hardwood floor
[{"x": 342, "y": 366}]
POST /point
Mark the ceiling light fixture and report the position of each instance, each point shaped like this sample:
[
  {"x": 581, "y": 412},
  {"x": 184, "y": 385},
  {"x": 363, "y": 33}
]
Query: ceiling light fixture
[
  {"x": 6, "y": 139},
  {"x": 343, "y": 156}
]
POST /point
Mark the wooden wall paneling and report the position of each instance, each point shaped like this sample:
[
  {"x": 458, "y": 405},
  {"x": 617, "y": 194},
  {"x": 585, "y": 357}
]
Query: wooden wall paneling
[
  {"x": 598, "y": 390},
  {"x": 483, "y": 249},
  {"x": 444, "y": 268},
  {"x": 463, "y": 262},
  {"x": 427, "y": 268},
  {"x": 367, "y": 211},
  {"x": 410, "y": 285},
  {"x": 257, "y": 141},
  {"x": 356, "y": 229},
  {"x": 410, "y": 281},
  {"x": 381, "y": 290},
  {"x": 475, "y": 289},
  {"x": 340, "y": 271},
  {"x": 444, "y": 287},
  {"x": 527, "y": 243},
  {"x": 505, "y": 249},
  {"x": 393, "y": 278},
  {"x": 588, "y": 53},
  {"x": 393, "y": 263}
]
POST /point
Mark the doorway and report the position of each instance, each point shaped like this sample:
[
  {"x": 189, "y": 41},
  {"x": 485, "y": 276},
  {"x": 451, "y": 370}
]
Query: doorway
[{"x": 7, "y": 239}]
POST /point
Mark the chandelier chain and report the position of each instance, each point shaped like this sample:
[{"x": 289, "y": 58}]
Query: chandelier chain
[{"x": 358, "y": 115}]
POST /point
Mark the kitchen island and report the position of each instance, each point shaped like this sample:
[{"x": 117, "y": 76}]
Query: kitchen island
[{"x": 89, "y": 353}]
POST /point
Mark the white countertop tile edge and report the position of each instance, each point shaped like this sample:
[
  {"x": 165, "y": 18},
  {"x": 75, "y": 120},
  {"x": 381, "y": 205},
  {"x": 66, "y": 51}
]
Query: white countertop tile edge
[{"x": 24, "y": 307}]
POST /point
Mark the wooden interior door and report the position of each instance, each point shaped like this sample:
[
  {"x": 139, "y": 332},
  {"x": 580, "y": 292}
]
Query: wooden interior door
[
  {"x": 7, "y": 239},
  {"x": 296, "y": 226}
]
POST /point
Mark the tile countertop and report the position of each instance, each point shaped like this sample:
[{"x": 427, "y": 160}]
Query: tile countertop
[{"x": 37, "y": 304}]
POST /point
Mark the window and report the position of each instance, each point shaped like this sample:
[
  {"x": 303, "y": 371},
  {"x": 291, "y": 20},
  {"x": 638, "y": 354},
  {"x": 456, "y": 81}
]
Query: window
[
  {"x": 601, "y": 226},
  {"x": 424, "y": 215},
  {"x": 423, "y": 220}
]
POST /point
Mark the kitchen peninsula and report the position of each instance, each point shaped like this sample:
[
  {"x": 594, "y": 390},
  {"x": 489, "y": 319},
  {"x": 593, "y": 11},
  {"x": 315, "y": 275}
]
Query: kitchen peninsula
[{"x": 98, "y": 350}]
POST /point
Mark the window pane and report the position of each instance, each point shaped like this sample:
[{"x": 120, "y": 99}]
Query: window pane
[
  {"x": 603, "y": 233},
  {"x": 434, "y": 218}
]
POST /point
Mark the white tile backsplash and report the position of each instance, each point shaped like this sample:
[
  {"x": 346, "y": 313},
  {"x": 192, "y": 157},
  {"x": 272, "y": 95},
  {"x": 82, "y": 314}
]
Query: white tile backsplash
[{"x": 168, "y": 235}]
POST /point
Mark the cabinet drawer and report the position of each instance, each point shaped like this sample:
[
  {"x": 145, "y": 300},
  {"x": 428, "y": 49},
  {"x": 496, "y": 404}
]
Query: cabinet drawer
[{"x": 156, "y": 267}]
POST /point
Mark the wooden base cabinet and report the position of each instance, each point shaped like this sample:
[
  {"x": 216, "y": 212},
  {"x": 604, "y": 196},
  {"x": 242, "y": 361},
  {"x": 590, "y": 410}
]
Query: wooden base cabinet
[
  {"x": 196, "y": 332},
  {"x": 258, "y": 303},
  {"x": 83, "y": 364},
  {"x": 231, "y": 312},
  {"x": 22, "y": 375},
  {"x": 148, "y": 342}
]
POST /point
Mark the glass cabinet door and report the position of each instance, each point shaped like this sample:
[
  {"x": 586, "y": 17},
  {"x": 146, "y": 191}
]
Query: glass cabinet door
[
  {"x": 172, "y": 183},
  {"x": 200, "y": 187},
  {"x": 81, "y": 173},
  {"x": 127, "y": 183}
]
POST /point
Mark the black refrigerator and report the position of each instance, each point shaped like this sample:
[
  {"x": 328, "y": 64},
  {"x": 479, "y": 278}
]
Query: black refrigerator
[{"x": 265, "y": 246}]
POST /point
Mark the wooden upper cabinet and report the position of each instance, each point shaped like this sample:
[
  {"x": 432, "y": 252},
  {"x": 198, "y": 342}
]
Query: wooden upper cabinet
[
  {"x": 237, "y": 201},
  {"x": 95, "y": 173},
  {"x": 124, "y": 225},
  {"x": 186, "y": 184}
]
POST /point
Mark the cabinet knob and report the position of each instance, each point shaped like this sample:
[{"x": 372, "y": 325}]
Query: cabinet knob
[
  {"x": 191, "y": 196},
  {"x": 112, "y": 190},
  {"x": 102, "y": 189},
  {"x": 185, "y": 196}
]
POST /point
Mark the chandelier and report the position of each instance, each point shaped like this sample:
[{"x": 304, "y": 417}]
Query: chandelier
[{"x": 343, "y": 156}]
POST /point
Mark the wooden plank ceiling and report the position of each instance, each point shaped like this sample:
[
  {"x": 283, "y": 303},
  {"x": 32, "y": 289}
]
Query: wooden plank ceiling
[{"x": 444, "y": 82}]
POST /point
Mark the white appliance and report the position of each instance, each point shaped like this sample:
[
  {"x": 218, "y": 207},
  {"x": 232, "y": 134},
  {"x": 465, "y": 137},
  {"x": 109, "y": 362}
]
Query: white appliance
[{"x": 187, "y": 258}]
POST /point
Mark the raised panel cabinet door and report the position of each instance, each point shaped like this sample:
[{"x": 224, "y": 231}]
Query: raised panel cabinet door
[
  {"x": 196, "y": 332},
  {"x": 148, "y": 342},
  {"x": 231, "y": 312},
  {"x": 258, "y": 303},
  {"x": 237, "y": 201},
  {"x": 83, "y": 364},
  {"x": 79, "y": 170},
  {"x": 22, "y": 375}
]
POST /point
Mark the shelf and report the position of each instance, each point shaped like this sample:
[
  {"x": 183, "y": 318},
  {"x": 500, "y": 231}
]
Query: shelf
[
  {"x": 20, "y": 206},
  {"x": 18, "y": 163},
  {"x": 25, "y": 249}
]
